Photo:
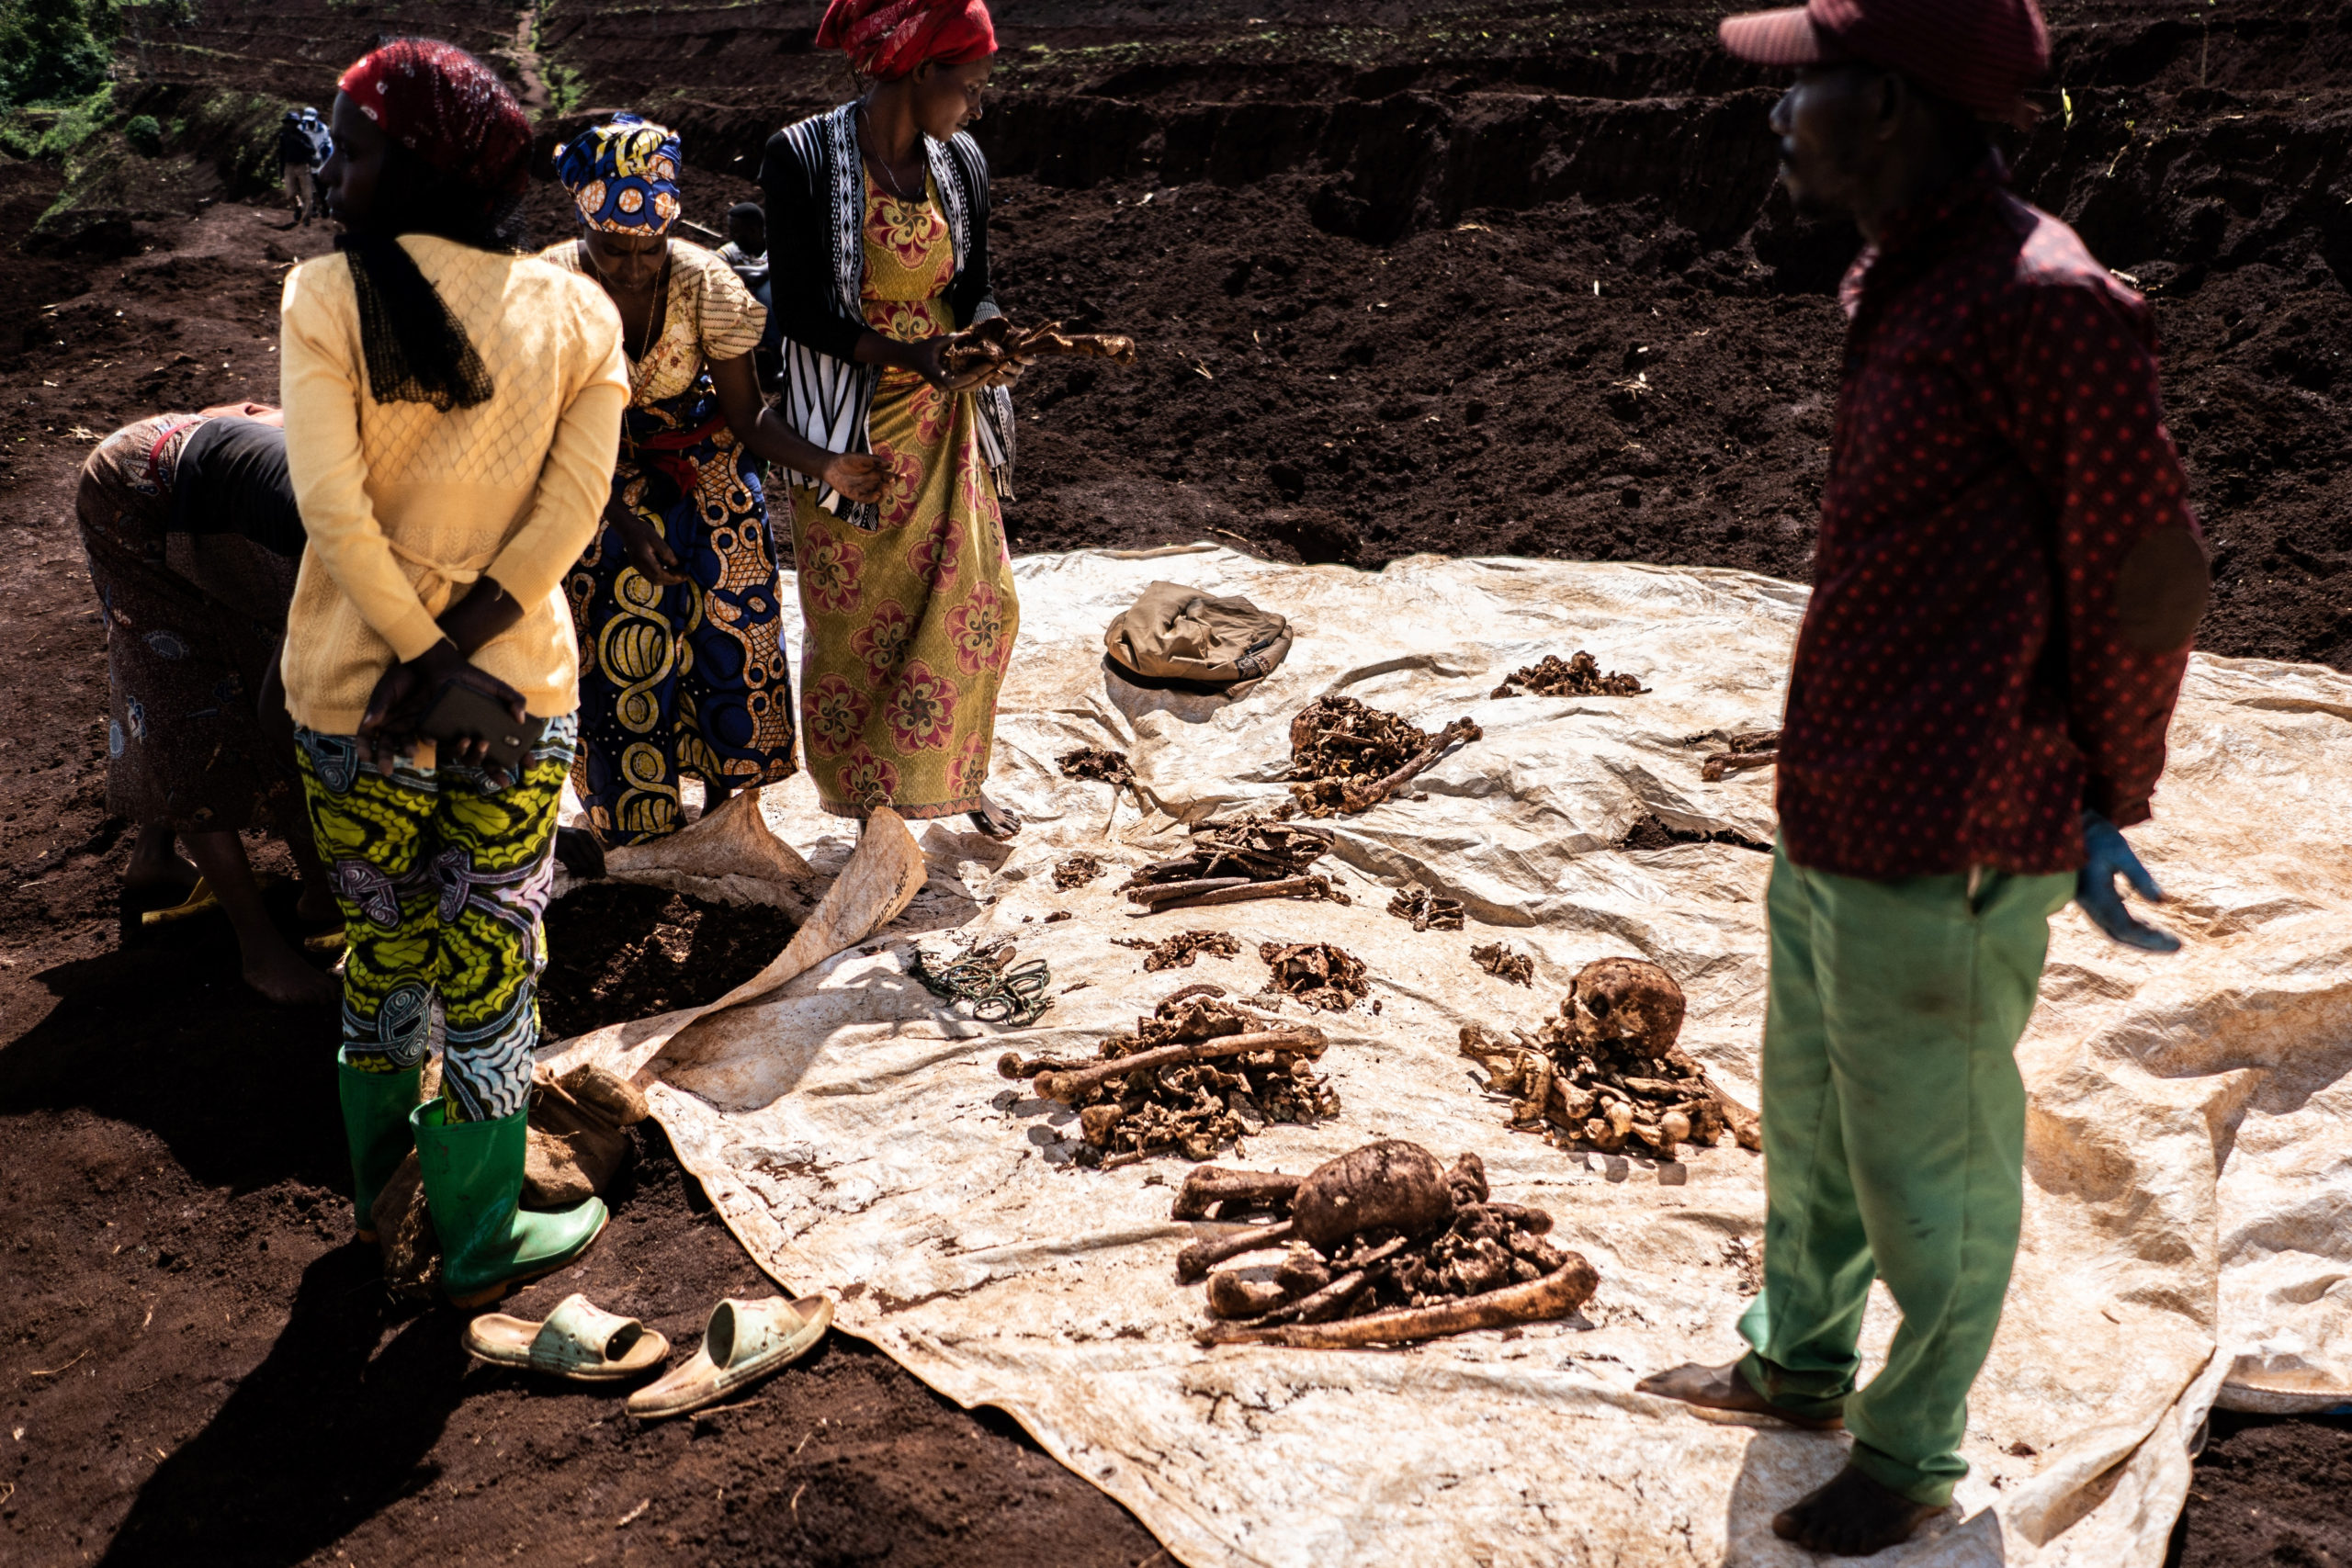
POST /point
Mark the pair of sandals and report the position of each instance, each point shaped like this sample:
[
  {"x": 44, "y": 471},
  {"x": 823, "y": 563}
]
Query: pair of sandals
[{"x": 744, "y": 1342}]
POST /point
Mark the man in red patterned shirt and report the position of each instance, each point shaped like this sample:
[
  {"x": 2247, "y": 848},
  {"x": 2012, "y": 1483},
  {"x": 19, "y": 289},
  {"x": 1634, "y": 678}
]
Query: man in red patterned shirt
[{"x": 2005, "y": 589}]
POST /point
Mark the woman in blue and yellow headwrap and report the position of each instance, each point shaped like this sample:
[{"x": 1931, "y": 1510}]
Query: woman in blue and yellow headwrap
[{"x": 676, "y": 603}]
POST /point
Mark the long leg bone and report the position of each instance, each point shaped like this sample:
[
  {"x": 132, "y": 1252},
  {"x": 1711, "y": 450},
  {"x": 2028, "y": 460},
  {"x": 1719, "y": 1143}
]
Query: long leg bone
[
  {"x": 1067, "y": 1087},
  {"x": 1209, "y": 1185},
  {"x": 1364, "y": 797},
  {"x": 1161, "y": 891},
  {"x": 1200, "y": 1257},
  {"x": 1555, "y": 1295}
]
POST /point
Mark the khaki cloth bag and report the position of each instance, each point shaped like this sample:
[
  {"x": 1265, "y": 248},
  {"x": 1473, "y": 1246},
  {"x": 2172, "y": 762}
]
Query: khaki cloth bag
[{"x": 1180, "y": 637}]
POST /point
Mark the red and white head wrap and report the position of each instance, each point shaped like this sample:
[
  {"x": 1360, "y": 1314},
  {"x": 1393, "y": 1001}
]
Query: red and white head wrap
[
  {"x": 447, "y": 107},
  {"x": 888, "y": 39}
]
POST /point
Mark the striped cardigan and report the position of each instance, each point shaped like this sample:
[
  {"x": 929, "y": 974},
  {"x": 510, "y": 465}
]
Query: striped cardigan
[{"x": 816, "y": 207}]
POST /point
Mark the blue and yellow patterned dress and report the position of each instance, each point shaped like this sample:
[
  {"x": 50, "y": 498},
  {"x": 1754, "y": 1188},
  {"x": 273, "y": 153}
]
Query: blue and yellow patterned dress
[{"x": 687, "y": 678}]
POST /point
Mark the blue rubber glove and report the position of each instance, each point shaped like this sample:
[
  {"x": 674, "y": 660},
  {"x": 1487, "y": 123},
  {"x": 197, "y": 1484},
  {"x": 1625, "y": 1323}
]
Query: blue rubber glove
[{"x": 2105, "y": 857}]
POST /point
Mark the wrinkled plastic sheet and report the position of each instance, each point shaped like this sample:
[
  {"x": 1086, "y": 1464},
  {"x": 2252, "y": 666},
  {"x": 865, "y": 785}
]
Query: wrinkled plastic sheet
[{"x": 2186, "y": 1235}]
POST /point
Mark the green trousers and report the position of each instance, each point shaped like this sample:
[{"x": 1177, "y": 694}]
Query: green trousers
[{"x": 1894, "y": 1146}]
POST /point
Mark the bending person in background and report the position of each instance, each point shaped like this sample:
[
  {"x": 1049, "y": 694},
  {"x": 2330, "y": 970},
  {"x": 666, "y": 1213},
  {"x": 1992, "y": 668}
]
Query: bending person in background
[
  {"x": 678, "y": 602},
  {"x": 191, "y": 532},
  {"x": 453, "y": 407},
  {"x": 878, "y": 217}
]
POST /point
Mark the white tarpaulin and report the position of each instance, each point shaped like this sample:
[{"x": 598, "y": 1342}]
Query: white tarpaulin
[{"x": 2187, "y": 1232}]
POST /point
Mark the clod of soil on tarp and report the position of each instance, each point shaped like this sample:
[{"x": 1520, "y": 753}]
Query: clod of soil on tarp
[
  {"x": 1649, "y": 833},
  {"x": 1197, "y": 1076},
  {"x": 1353, "y": 756},
  {"x": 1076, "y": 871},
  {"x": 1606, "y": 1073},
  {"x": 1318, "y": 973},
  {"x": 1257, "y": 856},
  {"x": 1426, "y": 909},
  {"x": 1741, "y": 749},
  {"x": 1518, "y": 968},
  {"x": 1383, "y": 1246},
  {"x": 1178, "y": 951},
  {"x": 1578, "y": 675},
  {"x": 1096, "y": 763}
]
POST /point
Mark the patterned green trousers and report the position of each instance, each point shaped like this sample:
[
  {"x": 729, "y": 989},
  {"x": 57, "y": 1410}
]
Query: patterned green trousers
[{"x": 442, "y": 880}]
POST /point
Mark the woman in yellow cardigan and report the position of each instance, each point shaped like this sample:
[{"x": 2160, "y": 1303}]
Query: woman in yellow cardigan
[{"x": 452, "y": 411}]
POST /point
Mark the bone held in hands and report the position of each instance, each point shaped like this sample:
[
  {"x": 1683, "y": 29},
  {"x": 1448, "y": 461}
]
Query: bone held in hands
[
  {"x": 1066, "y": 1087},
  {"x": 987, "y": 345},
  {"x": 1555, "y": 1295}
]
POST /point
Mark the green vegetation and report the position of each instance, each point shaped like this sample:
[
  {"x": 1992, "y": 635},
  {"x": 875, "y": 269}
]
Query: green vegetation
[
  {"x": 144, "y": 134},
  {"x": 53, "y": 51},
  {"x": 567, "y": 88}
]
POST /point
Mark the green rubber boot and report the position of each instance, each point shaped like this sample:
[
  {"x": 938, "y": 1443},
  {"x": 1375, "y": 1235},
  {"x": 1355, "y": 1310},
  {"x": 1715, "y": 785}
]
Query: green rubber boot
[
  {"x": 473, "y": 1185},
  {"x": 375, "y": 1118}
]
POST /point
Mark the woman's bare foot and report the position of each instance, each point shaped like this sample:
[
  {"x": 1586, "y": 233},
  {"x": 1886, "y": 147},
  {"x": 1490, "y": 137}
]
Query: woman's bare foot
[
  {"x": 1851, "y": 1517},
  {"x": 278, "y": 973},
  {"x": 1722, "y": 1388},
  {"x": 155, "y": 862},
  {"x": 993, "y": 821}
]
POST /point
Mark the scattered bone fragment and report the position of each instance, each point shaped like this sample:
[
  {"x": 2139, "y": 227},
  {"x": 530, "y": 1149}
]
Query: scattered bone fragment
[
  {"x": 1741, "y": 749},
  {"x": 1179, "y": 951},
  {"x": 1383, "y": 1246},
  {"x": 1578, "y": 675},
  {"x": 1096, "y": 763},
  {"x": 1251, "y": 857},
  {"x": 1195, "y": 1076},
  {"x": 993, "y": 344},
  {"x": 1606, "y": 1073},
  {"x": 1519, "y": 968},
  {"x": 1426, "y": 909},
  {"x": 1076, "y": 871},
  {"x": 1318, "y": 973},
  {"x": 1349, "y": 757}
]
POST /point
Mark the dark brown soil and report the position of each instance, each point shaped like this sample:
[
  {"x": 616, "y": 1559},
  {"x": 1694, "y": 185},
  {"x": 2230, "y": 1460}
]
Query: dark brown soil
[
  {"x": 1365, "y": 283},
  {"x": 618, "y": 952},
  {"x": 2270, "y": 1493}
]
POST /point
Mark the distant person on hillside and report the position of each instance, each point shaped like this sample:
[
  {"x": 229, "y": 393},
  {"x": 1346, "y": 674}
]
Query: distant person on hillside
[
  {"x": 677, "y": 602},
  {"x": 303, "y": 147},
  {"x": 2006, "y": 582},
  {"x": 452, "y": 410},
  {"x": 909, "y": 603},
  {"x": 190, "y": 527},
  {"x": 746, "y": 251}
]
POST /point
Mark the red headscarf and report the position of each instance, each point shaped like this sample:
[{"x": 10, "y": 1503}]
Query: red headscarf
[
  {"x": 447, "y": 107},
  {"x": 888, "y": 39}
]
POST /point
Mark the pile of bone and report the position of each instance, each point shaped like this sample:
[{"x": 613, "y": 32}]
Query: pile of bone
[
  {"x": 1383, "y": 1246},
  {"x": 1231, "y": 862},
  {"x": 1578, "y": 675},
  {"x": 996, "y": 343},
  {"x": 1196, "y": 1076},
  {"x": 1605, "y": 1073},
  {"x": 1349, "y": 757}
]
